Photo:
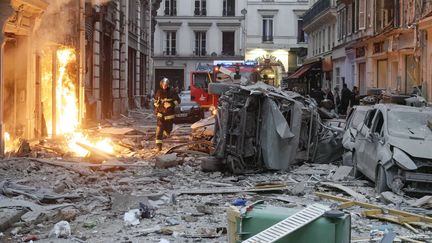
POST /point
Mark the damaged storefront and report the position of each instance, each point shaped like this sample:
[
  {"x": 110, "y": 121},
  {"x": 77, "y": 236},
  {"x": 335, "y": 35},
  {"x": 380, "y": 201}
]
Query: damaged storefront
[
  {"x": 66, "y": 64},
  {"x": 41, "y": 82}
]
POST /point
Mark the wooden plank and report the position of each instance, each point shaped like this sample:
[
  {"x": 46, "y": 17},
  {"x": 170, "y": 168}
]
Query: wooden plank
[
  {"x": 229, "y": 190},
  {"x": 422, "y": 218},
  {"x": 346, "y": 205},
  {"x": 348, "y": 190},
  {"x": 84, "y": 164}
]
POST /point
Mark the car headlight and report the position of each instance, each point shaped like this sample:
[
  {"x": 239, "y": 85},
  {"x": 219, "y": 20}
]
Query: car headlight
[{"x": 403, "y": 160}]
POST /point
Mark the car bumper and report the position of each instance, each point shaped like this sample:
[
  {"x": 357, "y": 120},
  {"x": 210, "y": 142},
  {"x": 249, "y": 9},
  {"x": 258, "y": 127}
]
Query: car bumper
[{"x": 417, "y": 182}]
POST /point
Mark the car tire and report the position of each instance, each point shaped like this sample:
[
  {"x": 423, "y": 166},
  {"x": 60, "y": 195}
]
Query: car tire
[
  {"x": 219, "y": 88},
  {"x": 381, "y": 180},
  {"x": 355, "y": 172}
]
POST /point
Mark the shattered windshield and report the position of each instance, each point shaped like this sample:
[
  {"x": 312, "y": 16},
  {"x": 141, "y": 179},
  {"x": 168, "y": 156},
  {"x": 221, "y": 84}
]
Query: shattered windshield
[
  {"x": 411, "y": 124},
  {"x": 359, "y": 116}
]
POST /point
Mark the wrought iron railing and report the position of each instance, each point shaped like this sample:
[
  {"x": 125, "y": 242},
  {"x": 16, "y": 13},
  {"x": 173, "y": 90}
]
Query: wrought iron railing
[{"x": 317, "y": 8}]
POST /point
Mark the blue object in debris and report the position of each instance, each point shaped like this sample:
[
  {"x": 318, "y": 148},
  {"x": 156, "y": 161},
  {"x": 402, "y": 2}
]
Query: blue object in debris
[{"x": 239, "y": 202}]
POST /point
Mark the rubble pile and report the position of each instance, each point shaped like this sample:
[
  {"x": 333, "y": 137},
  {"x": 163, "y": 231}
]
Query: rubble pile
[{"x": 169, "y": 199}]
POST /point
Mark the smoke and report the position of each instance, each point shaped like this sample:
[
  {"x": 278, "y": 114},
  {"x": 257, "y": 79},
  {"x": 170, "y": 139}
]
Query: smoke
[{"x": 59, "y": 23}]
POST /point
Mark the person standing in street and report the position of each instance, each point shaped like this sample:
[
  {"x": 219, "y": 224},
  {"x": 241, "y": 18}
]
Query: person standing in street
[
  {"x": 166, "y": 99},
  {"x": 337, "y": 101},
  {"x": 346, "y": 97},
  {"x": 356, "y": 96}
]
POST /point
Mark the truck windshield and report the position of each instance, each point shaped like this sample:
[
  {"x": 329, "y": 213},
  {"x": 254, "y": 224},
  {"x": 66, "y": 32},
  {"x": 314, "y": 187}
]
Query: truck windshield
[{"x": 201, "y": 80}]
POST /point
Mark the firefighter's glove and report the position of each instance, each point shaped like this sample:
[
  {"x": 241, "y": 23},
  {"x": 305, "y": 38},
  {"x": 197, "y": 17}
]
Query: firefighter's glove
[{"x": 167, "y": 105}]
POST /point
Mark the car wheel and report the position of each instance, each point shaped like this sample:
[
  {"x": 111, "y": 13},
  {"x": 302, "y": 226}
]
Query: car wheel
[
  {"x": 381, "y": 180},
  {"x": 356, "y": 173}
]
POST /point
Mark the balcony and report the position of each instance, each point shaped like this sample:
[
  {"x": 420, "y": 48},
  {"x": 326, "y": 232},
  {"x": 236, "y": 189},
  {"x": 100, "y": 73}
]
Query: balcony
[{"x": 318, "y": 8}]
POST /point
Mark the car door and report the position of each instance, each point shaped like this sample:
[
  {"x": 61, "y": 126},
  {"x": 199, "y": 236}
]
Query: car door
[
  {"x": 361, "y": 141},
  {"x": 372, "y": 144}
]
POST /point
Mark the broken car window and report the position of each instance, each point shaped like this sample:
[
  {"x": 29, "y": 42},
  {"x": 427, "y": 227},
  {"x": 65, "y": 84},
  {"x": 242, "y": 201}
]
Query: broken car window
[
  {"x": 369, "y": 118},
  {"x": 409, "y": 124},
  {"x": 358, "y": 117},
  {"x": 379, "y": 122}
]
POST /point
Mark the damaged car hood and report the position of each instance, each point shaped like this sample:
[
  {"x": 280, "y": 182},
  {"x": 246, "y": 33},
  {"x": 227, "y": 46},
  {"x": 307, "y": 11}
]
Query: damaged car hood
[{"x": 413, "y": 147}]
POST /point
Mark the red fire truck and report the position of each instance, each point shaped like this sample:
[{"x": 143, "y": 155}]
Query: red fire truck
[{"x": 219, "y": 73}]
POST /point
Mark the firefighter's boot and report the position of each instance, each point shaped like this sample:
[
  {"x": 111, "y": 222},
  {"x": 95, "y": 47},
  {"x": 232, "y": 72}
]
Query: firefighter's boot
[{"x": 159, "y": 147}]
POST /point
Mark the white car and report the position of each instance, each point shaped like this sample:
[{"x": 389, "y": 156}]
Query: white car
[{"x": 393, "y": 148}]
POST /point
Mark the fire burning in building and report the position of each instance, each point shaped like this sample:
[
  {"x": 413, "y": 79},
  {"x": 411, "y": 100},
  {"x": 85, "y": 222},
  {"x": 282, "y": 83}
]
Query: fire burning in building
[
  {"x": 60, "y": 105},
  {"x": 60, "y": 93}
]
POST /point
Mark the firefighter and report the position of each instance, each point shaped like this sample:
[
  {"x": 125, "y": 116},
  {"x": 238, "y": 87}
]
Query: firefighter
[{"x": 166, "y": 99}]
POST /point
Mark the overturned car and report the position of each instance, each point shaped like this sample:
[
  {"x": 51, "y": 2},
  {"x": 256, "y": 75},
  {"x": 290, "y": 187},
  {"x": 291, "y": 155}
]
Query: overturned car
[
  {"x": 261, "y": 127},
  {"x": 393, "y": 148}
]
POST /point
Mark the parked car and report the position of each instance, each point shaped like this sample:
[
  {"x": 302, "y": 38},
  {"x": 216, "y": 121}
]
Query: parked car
[
  {"x": 188, "y": 111},
  {"x": 393, "y": 148}
]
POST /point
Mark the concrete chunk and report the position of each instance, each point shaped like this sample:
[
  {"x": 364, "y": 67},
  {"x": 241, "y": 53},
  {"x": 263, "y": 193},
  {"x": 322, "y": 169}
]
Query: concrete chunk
[
  {"x": 167, "y": 161},
  {"x": 8, "y": 217},
  {"x": 341, "y": 173}
]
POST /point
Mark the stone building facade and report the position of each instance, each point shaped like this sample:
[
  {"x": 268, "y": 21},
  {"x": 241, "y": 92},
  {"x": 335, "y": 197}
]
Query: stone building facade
[{"x": 119, "y": 39}]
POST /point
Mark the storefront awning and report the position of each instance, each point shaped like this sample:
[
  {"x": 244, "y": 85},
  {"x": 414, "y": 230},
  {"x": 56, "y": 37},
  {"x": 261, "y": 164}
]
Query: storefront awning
[{"x": 301, "y": 71}]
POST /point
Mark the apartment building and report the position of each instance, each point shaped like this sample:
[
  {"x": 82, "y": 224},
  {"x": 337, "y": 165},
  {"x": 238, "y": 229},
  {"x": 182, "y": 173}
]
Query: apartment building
[
  {"x": 275, "y": 36},
  {"x": 189, "y": 33}
]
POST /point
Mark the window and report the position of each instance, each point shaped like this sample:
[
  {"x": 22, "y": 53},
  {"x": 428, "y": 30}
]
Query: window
[
  {"x": 267, "y": 34},
  {"x": 200, "y": 43},
  {"x": 170, "y": 43},
  {"x": 362, "y": 15},
  {"x": 369, "y": 118},
  {"x": 200, "y": 8},
  {"x": 333, "y": 35},
  {"x": 329, "y": 38},
  {"x": 201, "y": 80},
  {"x": 349, "y": 22},
  {"x": 171, "y": 7},
  {"x": 378, "y": 124},
  {"x": 339, "y": 22},
  {"x": 300, "y": 32},
  {"x": 323, "y": 39},
  {"x": 382, "y": 73},
  {"x": 228, "y": 40},
  {"x": 228, "y": 8},
  {"x": 344, "y": 24}
]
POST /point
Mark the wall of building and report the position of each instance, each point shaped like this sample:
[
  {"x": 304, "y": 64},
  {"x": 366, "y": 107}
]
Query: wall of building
[{"x": 130, "y": 32}]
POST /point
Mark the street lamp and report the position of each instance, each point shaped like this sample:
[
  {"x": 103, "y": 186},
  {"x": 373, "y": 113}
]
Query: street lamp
[{"x": 244, "y": 12}]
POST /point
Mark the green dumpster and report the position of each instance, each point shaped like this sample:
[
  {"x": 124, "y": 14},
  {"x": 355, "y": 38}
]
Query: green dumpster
[{"x": 242, "y": 226}]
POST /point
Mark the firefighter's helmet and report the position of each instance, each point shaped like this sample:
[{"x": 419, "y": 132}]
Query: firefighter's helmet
[{"x": 164, "y": 82}]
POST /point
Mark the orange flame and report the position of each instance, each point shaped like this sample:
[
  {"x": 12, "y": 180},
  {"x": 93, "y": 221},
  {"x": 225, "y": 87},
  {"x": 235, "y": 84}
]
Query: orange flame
[{"x": 67, "y": 109}]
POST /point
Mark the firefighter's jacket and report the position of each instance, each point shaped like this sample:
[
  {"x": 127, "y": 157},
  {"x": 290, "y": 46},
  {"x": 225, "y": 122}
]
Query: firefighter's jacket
[{"x": 163, "y": 98}]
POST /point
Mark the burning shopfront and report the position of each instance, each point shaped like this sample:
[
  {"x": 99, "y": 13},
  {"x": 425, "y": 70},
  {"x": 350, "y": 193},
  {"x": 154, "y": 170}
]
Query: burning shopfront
[{"x": 43, "y": 60}]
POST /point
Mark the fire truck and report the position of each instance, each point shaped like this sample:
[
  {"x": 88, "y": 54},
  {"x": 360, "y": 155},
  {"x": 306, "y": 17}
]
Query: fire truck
[{"x": 220, "y": 72}]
